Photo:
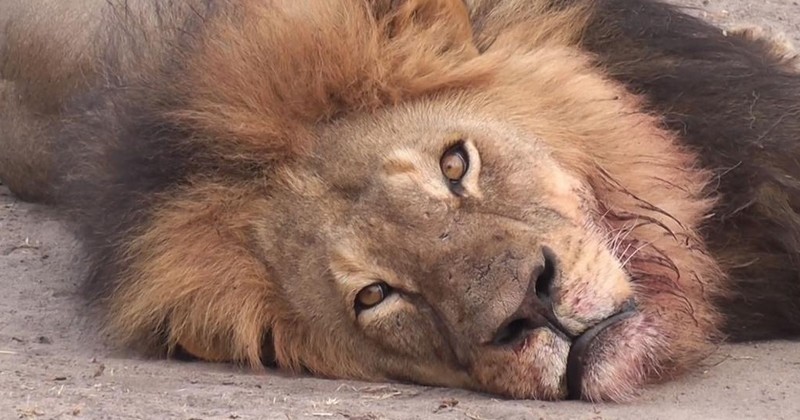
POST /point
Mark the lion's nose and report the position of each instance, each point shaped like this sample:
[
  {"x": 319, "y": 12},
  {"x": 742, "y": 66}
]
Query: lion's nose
[{"x": 536, "y": 310}]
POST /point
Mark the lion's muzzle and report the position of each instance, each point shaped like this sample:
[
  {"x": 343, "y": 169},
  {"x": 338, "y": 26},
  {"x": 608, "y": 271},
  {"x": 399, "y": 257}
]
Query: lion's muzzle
[{"x": 537, "y": 312}]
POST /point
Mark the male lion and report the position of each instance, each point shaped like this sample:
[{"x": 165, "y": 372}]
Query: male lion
[{"x": 533, "y": 198}]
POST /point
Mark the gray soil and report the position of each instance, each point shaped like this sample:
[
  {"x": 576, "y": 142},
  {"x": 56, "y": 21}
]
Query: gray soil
[{"x": 53, "y": 363}]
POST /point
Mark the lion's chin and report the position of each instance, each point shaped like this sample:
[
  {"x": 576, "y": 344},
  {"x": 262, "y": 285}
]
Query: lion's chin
[{"x": 611, "y": 361}]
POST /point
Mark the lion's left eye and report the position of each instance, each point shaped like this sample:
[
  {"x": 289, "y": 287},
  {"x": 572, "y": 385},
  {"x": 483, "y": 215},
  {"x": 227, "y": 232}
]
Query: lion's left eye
[
  {"x": 371, "y": 296},
  {"x": 455, "y": 163}
]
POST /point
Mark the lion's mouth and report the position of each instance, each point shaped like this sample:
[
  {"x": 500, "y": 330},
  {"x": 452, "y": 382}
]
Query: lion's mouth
[{"x": 581, "y": 346}]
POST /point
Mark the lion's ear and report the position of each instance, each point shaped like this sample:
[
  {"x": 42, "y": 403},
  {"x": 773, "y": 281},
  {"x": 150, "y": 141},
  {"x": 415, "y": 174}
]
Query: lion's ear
[{"x": 448, "y": 17}]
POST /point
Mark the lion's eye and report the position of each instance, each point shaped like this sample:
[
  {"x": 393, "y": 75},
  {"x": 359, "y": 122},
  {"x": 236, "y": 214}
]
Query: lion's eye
[
  {"x": 454, "y": 163},
  {"x": 371, "y": 296}
]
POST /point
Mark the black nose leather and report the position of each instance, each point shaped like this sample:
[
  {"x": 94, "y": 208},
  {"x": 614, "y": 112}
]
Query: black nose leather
[
  {"x": 536, "y": 310},
  {"x": 545, "y": 277}
]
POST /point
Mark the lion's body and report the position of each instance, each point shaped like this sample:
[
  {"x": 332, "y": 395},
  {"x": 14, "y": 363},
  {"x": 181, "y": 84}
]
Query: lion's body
[{"x": 220, "y": 163}]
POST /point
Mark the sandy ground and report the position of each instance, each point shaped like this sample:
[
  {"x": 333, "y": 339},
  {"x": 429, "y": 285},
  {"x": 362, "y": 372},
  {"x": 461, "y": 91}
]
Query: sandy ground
[{"x": 53, "y": 363}]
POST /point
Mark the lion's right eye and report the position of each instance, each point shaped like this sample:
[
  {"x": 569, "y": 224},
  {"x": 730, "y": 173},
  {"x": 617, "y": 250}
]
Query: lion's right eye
[
  {"x": 371, "y": 296},
  {"x": 455, "y": 163}
]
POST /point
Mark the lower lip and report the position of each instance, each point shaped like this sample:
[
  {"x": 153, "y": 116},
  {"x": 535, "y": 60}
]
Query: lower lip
[{"x": 579, "y": 349}]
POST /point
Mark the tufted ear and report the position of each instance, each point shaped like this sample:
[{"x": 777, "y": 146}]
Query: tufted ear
[{"x": 449, "y": 17}]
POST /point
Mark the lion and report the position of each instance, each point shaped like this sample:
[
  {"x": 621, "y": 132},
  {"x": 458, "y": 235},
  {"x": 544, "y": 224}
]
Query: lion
[{"x": 540, "y": 199}]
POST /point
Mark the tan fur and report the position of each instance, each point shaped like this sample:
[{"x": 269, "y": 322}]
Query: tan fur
[
  {"x": 232, "y": 99},
  {"x": 323, "y": 101},
  {"x": 523, "y": 24},
  {"x": 208, "y": 296},
  {"x": 775, "y": 44}
]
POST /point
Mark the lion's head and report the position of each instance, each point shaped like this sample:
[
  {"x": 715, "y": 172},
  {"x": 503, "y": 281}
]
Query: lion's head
[
  {"x": 367, "y": 195},
  {"x": 447, "y": 246}
]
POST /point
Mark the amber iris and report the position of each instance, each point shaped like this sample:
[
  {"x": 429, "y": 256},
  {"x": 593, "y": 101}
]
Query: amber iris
[
  {"x": 371, "y": 295},
  {"x": 454, "y": 163}
]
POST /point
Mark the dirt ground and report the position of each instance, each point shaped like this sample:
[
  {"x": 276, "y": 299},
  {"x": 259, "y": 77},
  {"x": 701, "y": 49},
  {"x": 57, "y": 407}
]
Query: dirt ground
[{"x": 53, "y": 364}]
